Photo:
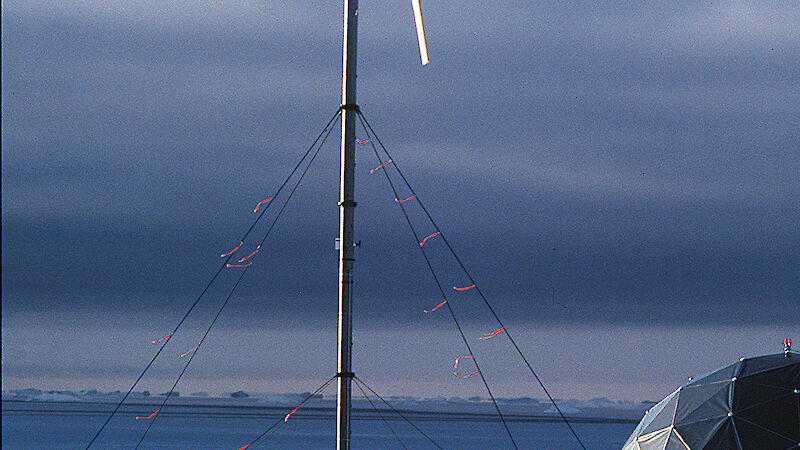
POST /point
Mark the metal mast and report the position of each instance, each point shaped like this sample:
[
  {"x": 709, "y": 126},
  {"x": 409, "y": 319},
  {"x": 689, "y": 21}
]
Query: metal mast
[{"x": 347, "y": 206}]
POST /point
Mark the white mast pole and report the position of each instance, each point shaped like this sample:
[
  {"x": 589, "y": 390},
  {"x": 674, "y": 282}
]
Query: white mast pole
[{"x": 347, "y": 206}]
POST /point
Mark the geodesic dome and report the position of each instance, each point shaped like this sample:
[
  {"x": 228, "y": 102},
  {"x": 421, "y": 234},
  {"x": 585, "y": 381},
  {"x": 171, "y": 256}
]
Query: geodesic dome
[{"x": 753, "y": 403}]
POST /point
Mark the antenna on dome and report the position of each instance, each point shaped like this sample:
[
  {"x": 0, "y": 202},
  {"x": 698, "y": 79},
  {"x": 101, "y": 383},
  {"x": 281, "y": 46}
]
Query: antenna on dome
[{"x": 423, "y": 42}]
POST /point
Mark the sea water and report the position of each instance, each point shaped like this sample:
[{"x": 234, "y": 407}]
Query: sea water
[{"x": 28, "y": 425}]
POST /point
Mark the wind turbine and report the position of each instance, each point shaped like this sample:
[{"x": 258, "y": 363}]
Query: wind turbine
[{"x": 347, "y": 206}]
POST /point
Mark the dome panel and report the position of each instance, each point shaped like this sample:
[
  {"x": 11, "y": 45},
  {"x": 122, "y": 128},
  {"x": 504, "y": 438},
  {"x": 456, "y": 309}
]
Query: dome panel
[
  {"x": 722, "y": 374},
  {"x": 701, "y": 402},
  {"x": 754, "y": 436},
  {"x": 654, "y": 441},
  {"x": 663, "y": 417},
  {"x": 674, "y": 442},
  {"x": 765, "y": 385},
  {"x": 777, "y": 415},
  {"x": 725, "y": 438},
  {"x": 753, "y": 366},
  {"x": 697, "y": 434},
  {"x": 631, "y": 444}
]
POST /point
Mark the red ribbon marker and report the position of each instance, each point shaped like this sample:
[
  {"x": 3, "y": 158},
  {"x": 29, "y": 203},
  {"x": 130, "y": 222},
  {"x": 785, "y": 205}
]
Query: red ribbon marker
[
  {"x": 196, "y": 347},
  {"x": 464, "y": 288},
  {"x": 242, "y": 448},
  {"x": 232, "y": 251},
  {"x": 376, "y": 169},
  {"x": 437, "y": 307},
  {"x": 262, "y": 202},
  {"x": 364, "y": 142},
  {"x": 493, "y": 333},
  {"x": 434, "y": 234},
  {"x": 165, "y": 337},
  {"x": 402, "y": 201},
  {"x": 455, "y": 366},
  {"x": 238, "y": 265},
  {"x": 148, "y": 417},
  {"x": 466, "y": 376},
  {"x": 286, "y": 419},
  {"x": 251, "y": 254}
]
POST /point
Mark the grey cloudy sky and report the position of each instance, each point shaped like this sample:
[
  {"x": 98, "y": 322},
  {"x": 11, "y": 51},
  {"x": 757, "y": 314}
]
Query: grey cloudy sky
[{"x": 612, "y": 169}]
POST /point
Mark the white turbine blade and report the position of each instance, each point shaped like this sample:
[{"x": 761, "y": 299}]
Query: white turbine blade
[{"x": 423, "y": 43}]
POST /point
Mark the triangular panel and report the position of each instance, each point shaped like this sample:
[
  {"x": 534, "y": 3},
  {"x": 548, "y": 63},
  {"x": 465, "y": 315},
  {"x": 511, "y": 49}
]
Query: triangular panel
[
  {"x": 754, "y": 366},
  {"x": 674, "y": 442},
  {"x": 779, "y": 415},
  {"x": 697, "y": 434},
  {"x": 631, "y": 444},
  {"x": 663, "y": 418},
  {"x": 724, "y": 438},
  {"x": 765, "y": 385},
  {"x": 654, "y": 441},
  {"x": 702, "y": 402},
  {"x": 754, "y": 436},
  {"x": 725, "y": 373}
]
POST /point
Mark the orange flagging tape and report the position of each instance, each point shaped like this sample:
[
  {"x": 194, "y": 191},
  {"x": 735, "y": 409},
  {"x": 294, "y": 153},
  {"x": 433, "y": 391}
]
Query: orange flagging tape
[
  {"x": 196, "y": 347},
  {"x": 464, "y": 288},
  {"x": 262, "y": 202},
  {"x": 163, "y": 338},
  {"x": 376, "y": 169},
  {"x": 232, "y": 251},
  {"x": 242, "y": 448},
  {"x": 409, "y": 198},
  {"x": 251, "y": 254},
  {"x": 148, "y": 417},
  {"x": 437, "y": 307},
  {"x": 364, "y": 142},
  {"x": 434, "y": 234},
  {"x": 238, "y": 265},
  {"x": 493, "y": 333},
  {"x": 455, "y": 366}
]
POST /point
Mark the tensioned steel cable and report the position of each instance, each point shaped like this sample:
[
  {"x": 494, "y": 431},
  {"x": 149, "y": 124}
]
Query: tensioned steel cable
[
  {"x": 381, "y": 416},
  {"x": 397, "y": 412},
  {"x": 213, "y": 278},
  {"x": 269, "y": 431},
  {"x": 230, "y": 294},
  {"x": 365, "y": 123},
  {"x": 436, "y": 279}
]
